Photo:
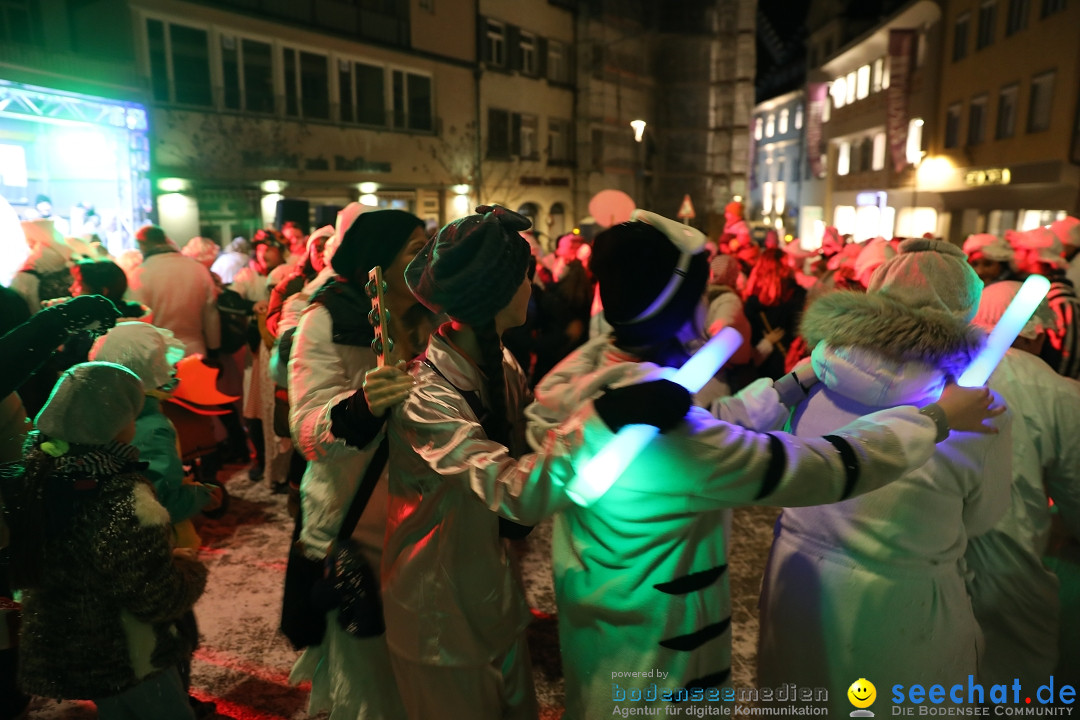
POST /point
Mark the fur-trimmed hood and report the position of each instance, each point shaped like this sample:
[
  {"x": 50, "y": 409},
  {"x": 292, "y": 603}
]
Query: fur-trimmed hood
[{"x": 893, "y": 330}]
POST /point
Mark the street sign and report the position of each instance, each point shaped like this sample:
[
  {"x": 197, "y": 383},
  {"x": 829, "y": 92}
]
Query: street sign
[{"x": 686, "y": 210}]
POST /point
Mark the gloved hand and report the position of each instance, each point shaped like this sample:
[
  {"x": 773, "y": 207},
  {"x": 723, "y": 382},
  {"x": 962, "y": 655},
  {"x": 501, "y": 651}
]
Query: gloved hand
[
  {"x": 87, "y": 312},
  {"x": 660, "y": 403}
]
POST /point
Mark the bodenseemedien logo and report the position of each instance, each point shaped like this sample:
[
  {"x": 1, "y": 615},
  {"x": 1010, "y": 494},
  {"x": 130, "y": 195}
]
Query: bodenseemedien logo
[{"x": 862, "y": 694}]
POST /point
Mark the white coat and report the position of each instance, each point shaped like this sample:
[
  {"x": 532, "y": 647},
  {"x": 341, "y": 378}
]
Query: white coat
[{"x": 183, "y": 297}]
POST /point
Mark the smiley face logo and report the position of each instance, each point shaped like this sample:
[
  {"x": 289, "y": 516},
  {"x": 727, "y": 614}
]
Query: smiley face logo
[{"x": 862, "y": 694}]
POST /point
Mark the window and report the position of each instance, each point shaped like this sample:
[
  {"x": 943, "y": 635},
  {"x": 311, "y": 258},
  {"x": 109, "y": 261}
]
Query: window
[
  {"x": 258, "y": 63},
  {"x": 524, "y": 131},
  {"x": 314, "y": 86},
  {"x": 1006, "y": 112},
  {"x": 780, "y": 168},
  {"x": 528, "y": 53},
  {"x": 20, "y": 22},
  {"x": 363, "y": 93},
  {"x": 851, "y": 83},
  {"x": 913, "y": 151},
  {"x": 876, "y": 75},
  {"x": 783, "y": 121},
  {"x": 559, "y": 141},
  {"x": 230, "y": 66},
  {"x": 557, "y": 68},
  {"x": 977, "y": 120},
  {"x": 758, "y": 128},
  {"x": 826, "y": 111},
  {"x": 412, "y": 101},
  {"x": 770, "y": 125},
  {"x": 766, "y": 197},
  {"x": 843, "y": 158},
  {"x": 179, "y": 63},
  {"x": 495, "y": 44},
  {"x": 1042, "y": 96},
  {"x": 1018, "y": 16},
  {"x": 292, "y": 92},
  {"x": 838, "y": 91},
  {"x": 798, "y": 117},
  {"x": 987, "y": 20},
  {"x": 952, "y": 125},
  {"x": 863, "y": 82},
  {"x": 1049, "y": 7},
  {"x": 498, "y": 133},
  {"x": 866, "y": 149},
  {"x": 878, "y": 160}
]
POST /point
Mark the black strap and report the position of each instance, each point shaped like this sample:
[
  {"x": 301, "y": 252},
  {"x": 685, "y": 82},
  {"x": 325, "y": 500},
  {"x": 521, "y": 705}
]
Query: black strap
[
  {"x": 363, "y": 493},
  {"x": 472, "y": 397}
]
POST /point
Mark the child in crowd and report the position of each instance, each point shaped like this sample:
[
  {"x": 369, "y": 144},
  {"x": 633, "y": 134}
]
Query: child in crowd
[{"x": 90, "y": 548}]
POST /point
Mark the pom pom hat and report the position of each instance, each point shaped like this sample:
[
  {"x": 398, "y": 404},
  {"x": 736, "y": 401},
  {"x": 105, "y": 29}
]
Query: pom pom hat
[
  {"x": 652, "y": 273},
  {"x": 930, "y": 274},
  {"x": 374, "y": 237},
  {"x": 91, "y": 403},
  {"x": 473, "y": 266},
  {"x": 988, "y": 246}
]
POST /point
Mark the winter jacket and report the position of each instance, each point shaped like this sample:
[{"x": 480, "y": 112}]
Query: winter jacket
[
  {"x": 873, "y": 586},
  {"x": 641, "y": 576},
  {"x": 101, "y": 620},
  {"x": 1014, "y": 596},
  {"x": 1062, "y": 348},
  {"x": 182, "y": 296},
  {"x": 155, "y": 437},
  {"x": 450, "y": 593},
  {"x": 228, "y": 264}
]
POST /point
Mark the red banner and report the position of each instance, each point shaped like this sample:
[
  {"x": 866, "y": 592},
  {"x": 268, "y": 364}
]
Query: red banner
[
  {"x": 817, "y": 94},
  {"x": 901, "y": 55}
]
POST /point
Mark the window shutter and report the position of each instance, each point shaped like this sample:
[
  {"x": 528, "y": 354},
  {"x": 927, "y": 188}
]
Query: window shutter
[
  {"x": 541, "y": 57},
  {"x": 513, "y": 47},
  {"x": 515, "y": 134},
  {"x": 481, "y": 39}
]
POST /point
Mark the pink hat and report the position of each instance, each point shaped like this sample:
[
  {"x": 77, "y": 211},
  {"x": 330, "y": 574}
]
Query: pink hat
[
  {"x": 988, "y": 246},
  {"x": 204, "y": 250},
  {"x": 872, "y": 256},
  {"x": 996, "y": 298},
  {"x": 1067, "y": 231},
  {"x": 1039, "y": 245}
]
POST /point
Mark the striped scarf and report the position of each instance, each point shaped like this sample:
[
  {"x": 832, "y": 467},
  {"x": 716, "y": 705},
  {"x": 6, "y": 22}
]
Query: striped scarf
[{"x": 1062, "y": 349}]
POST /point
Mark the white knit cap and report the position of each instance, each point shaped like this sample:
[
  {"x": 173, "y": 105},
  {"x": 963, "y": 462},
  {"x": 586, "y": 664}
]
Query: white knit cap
[
  {"x": 997, "y": 296},
  {"x": 148, "y": 351},
  {"x": 988, "y": 246},
  {"x": 91, "y": 403},
  {"x": 930, "y": 274},
  {"x": 1041, "y": 243},
  {"x": 1067, "y": 231}
]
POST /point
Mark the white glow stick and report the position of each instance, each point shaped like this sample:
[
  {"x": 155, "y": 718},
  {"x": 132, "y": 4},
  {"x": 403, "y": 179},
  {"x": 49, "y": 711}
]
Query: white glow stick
[
  {"x": 1012, "y": 321},
  {"x": 604, "y": 468}
]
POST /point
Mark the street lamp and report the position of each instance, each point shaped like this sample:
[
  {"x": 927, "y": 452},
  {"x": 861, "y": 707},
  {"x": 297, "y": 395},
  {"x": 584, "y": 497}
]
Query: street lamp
[
  {"x": 639, "y": 129},
  {"x": 639, "y": 136}
]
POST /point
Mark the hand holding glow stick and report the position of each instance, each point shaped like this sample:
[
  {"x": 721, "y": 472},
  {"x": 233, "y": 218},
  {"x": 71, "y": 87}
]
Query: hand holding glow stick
[
  {"x": 1012, "y": 321},
  {"x": 604, "y": 468}
]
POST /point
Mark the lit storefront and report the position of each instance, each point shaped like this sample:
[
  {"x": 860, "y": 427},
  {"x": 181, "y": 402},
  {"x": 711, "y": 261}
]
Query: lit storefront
[{"x": 84, "y": 158}]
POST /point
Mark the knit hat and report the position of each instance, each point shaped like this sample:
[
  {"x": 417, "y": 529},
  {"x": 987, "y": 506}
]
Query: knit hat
[
  {"x": 930, "y": 274},
  {"x": 91, "y": 403},
  {"x": 1067, "y": 231},
  {"x": 652, "y": 273},
  {"x": 148, "y": 351},
  {"x": 204, "y": 250},
  {"x": 996, "y": 298},
  {"x": 373, "y": 238},
  {"x": 724, "y": 270},
  {"x": 873, "y": 255},
  {"x": 473, "y": 266},
  {"x": 988, "y": 246},
  {"x": 1039, "y": 244}
]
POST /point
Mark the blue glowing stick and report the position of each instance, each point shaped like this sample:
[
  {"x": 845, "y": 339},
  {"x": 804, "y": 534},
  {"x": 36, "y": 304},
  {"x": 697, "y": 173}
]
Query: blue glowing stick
[
  {"x": 1012, "y": 321},
  {"x": 604, "y": 468}
]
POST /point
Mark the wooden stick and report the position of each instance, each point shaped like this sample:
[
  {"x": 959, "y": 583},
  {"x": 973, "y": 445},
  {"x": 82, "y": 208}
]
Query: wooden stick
[{"x": 769, "y": 329}]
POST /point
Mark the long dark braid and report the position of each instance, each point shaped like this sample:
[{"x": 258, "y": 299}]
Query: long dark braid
[{"x": 497, "y": 424}]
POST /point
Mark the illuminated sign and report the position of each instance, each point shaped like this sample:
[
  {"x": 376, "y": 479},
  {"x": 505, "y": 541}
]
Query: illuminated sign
[{"x": 989, "y": 176}]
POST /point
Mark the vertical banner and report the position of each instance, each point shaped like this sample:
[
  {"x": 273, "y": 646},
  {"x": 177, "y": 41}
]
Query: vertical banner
[
  {"x": 817, "y": 94},
  {"x": 901, "y": 56}
]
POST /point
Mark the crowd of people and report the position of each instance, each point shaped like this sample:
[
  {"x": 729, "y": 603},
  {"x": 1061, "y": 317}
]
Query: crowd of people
[{"x": 916, "y": 512}]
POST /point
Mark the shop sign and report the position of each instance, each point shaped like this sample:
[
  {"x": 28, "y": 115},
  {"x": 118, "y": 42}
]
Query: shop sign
[{"x": 988, "y": 176}]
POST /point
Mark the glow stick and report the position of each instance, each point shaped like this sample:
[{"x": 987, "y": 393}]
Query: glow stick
[
  {"x": 604, "y": 468},
  {"x": 1012, "y": 321}
]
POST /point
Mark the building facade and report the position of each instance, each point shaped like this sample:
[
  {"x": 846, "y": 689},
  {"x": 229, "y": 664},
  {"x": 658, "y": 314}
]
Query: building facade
[
  {"x": 526, "y": 112},
  {"x": 776, "y": 166},
  {"x": 1006, "y": 141},
  {"x": 868, "y": 105}
]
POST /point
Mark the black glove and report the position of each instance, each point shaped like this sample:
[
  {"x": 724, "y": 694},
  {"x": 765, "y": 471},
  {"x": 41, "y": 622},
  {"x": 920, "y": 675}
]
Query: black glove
[
  {"x": 351, "y": 420},
  {"x": 660, "y": 403},
  {"x": 88, "y": 312}
]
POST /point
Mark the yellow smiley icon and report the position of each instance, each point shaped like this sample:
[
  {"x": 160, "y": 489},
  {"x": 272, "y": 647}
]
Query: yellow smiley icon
[{"x": 862, "y": 693}]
